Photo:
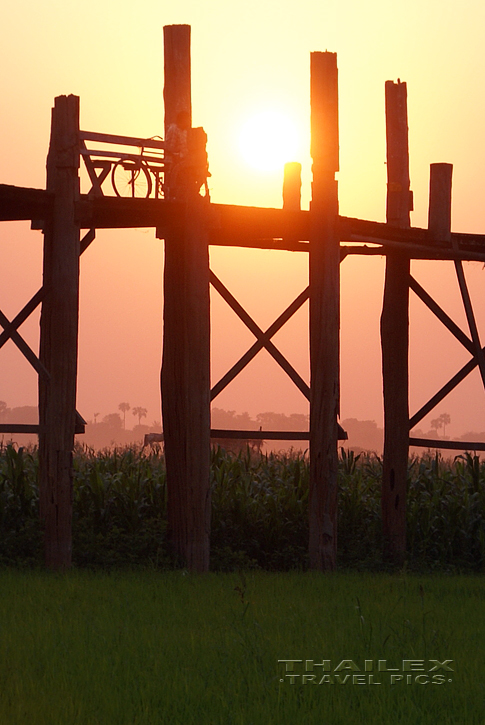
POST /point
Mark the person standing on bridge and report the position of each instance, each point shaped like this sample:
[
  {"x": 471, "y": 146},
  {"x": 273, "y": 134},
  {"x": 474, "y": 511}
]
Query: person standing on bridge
[{"x": 186, "y": 158}]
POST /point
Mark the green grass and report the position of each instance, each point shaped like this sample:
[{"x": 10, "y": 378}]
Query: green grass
[{"x": 148, "y": 647}]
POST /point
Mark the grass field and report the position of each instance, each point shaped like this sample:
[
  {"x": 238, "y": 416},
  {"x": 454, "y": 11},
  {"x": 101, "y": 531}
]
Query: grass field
[
  {"x": 116, "y": 648},
  {"x": 126, "y": 639}
]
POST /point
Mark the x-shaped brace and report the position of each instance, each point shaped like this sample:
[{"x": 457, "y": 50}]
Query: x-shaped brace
[
  {"x": 472, "y": 345},
  {"x": 10, "y": 332},
  {"x": 96, "y": 179},
  {"x": 263, "y": 339},
  {"x": 10, "y": 328}
]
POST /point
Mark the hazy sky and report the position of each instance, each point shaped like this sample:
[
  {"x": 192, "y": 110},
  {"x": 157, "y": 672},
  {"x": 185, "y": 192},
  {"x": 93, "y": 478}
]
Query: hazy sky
[{"x": 248, "y": 58}]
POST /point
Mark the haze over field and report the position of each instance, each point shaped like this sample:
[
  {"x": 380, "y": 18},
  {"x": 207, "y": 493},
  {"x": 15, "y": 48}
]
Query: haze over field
[{"x": 246, "y": 61}]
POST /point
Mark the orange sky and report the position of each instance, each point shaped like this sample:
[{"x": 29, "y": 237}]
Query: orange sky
[{"x": 247, "y": 59}]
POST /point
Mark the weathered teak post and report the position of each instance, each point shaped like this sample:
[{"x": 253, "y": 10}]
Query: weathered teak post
[
  {"x": 59, "y": 335},
  {"x": 324, "y": 312},
  {"x": 439, "y": 207},
  {"x": 395, "y": 331},
  {"x": 185, "y": 377},
  {"x": 292, "y": 186}
]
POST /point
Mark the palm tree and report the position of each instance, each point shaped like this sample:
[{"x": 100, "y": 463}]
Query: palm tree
[
  {"x": 140, "y": 412},
  {"x": 3, "y": 409},
  {"x": 441, "y": 422},
  {"x": 436, "y": 424},
  {"x": 445, "y": 420},
  {"x": 124, "y": 407}
]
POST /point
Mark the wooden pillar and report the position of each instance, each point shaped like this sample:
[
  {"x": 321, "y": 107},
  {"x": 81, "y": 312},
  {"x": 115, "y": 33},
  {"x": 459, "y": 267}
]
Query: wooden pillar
[
  {"x": 59, "y": 335},
  {"x": 395, "y": 331},
  {"x": 439, "y": 209},
  {"x": 324, "y": 261},
  {"x": 185, "y": 376},
  {"x": 177, "y": 93},
  {"x": 292, "y": 186}
]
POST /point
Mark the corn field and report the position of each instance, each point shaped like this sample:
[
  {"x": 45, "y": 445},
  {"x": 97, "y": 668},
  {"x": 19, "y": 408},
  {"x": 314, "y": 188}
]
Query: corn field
[{"x": 259, "y": 511}]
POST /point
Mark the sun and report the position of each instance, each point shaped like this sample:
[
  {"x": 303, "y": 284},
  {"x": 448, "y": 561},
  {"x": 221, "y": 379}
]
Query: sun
[{"x": 268, "y": 140}]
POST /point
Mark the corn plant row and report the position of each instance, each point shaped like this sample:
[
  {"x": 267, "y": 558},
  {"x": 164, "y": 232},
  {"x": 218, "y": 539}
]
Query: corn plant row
[{"x": 259, "y": 510}]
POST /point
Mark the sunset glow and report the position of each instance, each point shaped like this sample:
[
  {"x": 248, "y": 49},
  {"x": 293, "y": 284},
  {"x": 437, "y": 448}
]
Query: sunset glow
[
  {"x": 251, "y": 93},
  {"x": 267, "y": 140}
]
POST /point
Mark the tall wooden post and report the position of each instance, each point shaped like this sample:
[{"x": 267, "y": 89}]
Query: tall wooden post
[
  {"x": 395, "y": 331},
  {"x": 292, "y": 186},
  {"x": 59, "y": 335},
  {"x": 439, "y": 208},
  {"x": 185, "y": 376},
  {"x": 324, "y": 313}
]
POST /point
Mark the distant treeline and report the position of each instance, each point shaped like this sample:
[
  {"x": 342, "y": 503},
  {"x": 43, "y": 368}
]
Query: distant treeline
[{"x": 363, "y": 435}]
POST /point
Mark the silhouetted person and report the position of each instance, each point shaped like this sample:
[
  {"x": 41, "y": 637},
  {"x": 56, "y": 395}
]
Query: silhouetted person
[
  {"x": 186, "y": 158},
  {"x": 176, "y": 141}
]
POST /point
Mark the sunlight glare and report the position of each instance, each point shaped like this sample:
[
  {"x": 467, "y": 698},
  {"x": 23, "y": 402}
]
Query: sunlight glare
[{"x": 268, "y": 140}]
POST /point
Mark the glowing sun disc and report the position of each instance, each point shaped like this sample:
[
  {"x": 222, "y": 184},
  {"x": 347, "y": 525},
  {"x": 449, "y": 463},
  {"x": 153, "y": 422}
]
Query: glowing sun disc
[{"x": 268, "y": 140}]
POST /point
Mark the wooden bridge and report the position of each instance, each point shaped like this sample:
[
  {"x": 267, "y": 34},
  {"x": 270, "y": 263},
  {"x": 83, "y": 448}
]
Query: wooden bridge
[{"x": 190, "y": 223}]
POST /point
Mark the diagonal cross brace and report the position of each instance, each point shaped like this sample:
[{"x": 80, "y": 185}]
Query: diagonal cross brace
[
  {"x": 472, "y": 325},
  {"x": 441, "y": 315},
  {"x": 91, "y": 166},
  {"x": 262, "y": 338},
  {"x": 89, "y": 237},
  {"x": 11, "y": 327},
  {"x": 472, "y": 345},
  {"x": 444, "y": 391},
  {"x": 10, "y": 332}
]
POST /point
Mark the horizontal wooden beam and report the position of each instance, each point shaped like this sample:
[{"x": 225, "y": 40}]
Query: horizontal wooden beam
[
  {"x": 468, "y": 242},
  {"x": 112, "y": 212},
  {"x": 269, "y": 435},
  {"x": 152, "y": 143},
  {"x": 232, "y": 225},
  {"x": 269, "y": 228},
  {"x": 360, "y": 247},
  {"x": 26, "y": 428},
  {"x": 115, "y": 155},
  {"x": 352, "y": 229},
  {"x": 284, "y": 245},
  {"x": 240, "y": 226},
  {"x": 18, "y": 203},
  {"x": 449, "y": 445},
  {"x": 362, "y": 230},
  {"x": 245, "y": 223},
  {"x": 80, "y": 426},
  {"x": 229, "y": 225},
  {"x": 19, "y": 428},
  {"x": 260, "y": 435}
]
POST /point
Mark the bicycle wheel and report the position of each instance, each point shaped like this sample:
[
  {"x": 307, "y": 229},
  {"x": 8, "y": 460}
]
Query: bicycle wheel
[{"x": 131, "y": 179}]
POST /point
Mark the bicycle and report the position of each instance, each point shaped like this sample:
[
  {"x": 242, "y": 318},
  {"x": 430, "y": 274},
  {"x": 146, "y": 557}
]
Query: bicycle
[{"x": 131, "y": 176}]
